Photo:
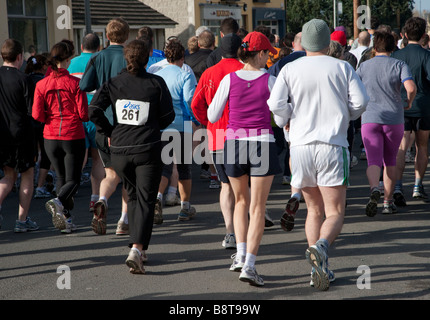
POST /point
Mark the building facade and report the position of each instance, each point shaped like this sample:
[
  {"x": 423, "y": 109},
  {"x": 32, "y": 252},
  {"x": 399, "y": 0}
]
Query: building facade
[
  {"x": 39, "y": 24},
  {"x": 34, "y": 23},
  {"x": 191, "y": 14}
]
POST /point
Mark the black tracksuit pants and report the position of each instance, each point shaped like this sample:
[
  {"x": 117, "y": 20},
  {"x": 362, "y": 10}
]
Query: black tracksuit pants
[{"x": 141, "y": 175}]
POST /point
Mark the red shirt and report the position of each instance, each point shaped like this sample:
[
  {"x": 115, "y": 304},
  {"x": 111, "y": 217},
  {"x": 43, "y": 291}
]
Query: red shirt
[
  {"x": 63, "y": 121},
  {"x": 205, "y": 91}
]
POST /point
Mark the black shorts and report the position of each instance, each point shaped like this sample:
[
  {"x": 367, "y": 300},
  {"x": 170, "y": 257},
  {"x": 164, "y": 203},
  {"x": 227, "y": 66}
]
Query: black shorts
[
  {"x": 417, "y": 123},
  {"x": 177, "y": 149},
  {"x": 104, "y": 150},
  {"x": 218, "y": 161},
  {"x": 19, "y": 157},
  {"x": 254, "y": 158}
]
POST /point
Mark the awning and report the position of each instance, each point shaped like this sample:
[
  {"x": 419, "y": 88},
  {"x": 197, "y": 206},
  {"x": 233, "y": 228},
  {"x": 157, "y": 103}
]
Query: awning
[{"x": 134, "y": 12}]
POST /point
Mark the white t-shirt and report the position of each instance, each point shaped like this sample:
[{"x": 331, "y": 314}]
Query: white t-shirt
[{"x": 319, "y": 95}]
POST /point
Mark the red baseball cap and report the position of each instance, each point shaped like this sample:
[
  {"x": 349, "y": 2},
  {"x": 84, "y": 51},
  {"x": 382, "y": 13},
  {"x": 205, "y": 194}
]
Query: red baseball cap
[
  {"x": 339, "y": 36},
  {"x": 256, "y": 41}
]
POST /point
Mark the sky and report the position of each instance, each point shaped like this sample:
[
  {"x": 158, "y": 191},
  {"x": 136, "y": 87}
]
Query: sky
[{"x": 425, "y": 5}]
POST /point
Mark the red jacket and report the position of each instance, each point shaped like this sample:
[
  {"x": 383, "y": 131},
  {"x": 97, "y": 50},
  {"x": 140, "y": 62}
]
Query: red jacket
[
  {"x": 63, "y": 121},
  {"x": 205, "y": 91}
]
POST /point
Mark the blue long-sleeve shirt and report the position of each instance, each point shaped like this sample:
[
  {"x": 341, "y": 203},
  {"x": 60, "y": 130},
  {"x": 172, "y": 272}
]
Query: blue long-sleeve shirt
[{"x": 181, "y": 85}]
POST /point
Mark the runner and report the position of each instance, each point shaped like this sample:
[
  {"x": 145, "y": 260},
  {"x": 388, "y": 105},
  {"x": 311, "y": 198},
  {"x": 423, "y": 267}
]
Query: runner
[
  {"x": 203, "y": 96},
  {"x": 247, "y": 91},
  {"x": 102, "y": 66},
  {"x": 17, "y": 144},
  {"x": 62, "y": 106},
  {"x": 417, "y": 118},
  {"x": 142, "y": 105},
  {"x": 319, "y": 122},
  {"x": 182, "y": 85},
  {"x": 382, "y": 124}
]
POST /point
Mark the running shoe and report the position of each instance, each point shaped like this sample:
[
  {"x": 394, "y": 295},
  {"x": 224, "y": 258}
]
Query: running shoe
[
  {"x": 214, "y": 184},
  {"x": 381, "y": 187},
  {"x": 42, "y": 193},
  {"x": 172, "y": 199},
  {"x": 318, "y": 259},
  {"x": 91, "y": 206},
  {"x": 70, "y": 226},
  {"x": 238, "y": 262},
  {"x": 98, "y": 223},
  {"x": 187, "y": 214},
  {"x": 331, "y": 276},
  {"x": 24, "y": 226},
  {"x": 286, "y": 180},
  {"x": 158, "y": 212},
  {"x": 122, "y": 228},
  {"x": 419, "y": 193},
  {"x": 354, "y": 162},
  {"x": 389, "y": 208},
  {"x": 135, "y": 261},
  {"x": 399, "y": 198},
  {"x": 229, "y": 241},
  {"x": 409, "y": 157},
  {"x": 287, "y": 219},
  {"x": 251, "y": 276},
  {"x": 55, "y": 208},
  {"x": 268, "y": 221},
  {"x": 372, "y": 205},
  {"x": 205, "y": 174}
]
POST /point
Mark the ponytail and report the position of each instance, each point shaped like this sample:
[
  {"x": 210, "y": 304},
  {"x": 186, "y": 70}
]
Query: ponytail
[
  {"x": 136, "y": 53},
  {"x": 35, "y": 64},
  {"x": 61, "y": 51}
]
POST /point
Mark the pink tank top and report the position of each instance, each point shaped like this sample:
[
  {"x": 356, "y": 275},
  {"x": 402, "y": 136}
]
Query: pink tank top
[{"x": 249, "y": 114}]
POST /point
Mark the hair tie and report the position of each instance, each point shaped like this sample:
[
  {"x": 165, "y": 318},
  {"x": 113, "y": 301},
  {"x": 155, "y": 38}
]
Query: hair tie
[
  {"x": 245, "y": 45},
  {"x": 34, "y": 60}
]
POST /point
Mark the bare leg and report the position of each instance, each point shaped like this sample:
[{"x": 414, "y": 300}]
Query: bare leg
[
  {"x": 226, "y": 200},
  {"x": 328, "y": 202},
  {"x": 25, "y": 193}
]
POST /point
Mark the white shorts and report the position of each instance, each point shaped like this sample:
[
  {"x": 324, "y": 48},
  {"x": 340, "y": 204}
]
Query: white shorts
[{"x": 319, "y": 164}]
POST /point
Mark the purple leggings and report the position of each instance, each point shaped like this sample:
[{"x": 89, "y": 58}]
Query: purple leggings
[{"x": 382, "y": 142}]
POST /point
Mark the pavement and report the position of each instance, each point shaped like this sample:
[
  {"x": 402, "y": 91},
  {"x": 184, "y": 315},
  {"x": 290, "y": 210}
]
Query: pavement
[{"x": 381, "y": 258}]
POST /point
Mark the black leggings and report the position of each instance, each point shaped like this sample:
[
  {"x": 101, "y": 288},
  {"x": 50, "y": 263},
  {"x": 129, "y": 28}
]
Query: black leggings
[{"x": 67, "y": 157}]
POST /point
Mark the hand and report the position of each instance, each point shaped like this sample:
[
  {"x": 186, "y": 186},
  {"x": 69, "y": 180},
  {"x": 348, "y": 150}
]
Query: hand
[
  {"x": 109, "y": 141},
  {"x": 408, "y": 106},
  {"x": 287, "y": 126}
]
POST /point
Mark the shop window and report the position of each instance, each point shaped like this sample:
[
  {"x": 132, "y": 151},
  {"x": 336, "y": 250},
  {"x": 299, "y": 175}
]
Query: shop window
[{"x": 27, "y": 22}]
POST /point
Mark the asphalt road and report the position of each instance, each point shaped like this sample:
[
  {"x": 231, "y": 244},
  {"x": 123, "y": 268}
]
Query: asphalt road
[{"x": 385, "y": 257}]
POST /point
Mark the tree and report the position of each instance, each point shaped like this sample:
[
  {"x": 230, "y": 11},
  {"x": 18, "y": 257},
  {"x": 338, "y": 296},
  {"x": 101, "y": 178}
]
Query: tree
[
  {"x": 301, "y": 11},
  {"x": 390, "y": 12}
]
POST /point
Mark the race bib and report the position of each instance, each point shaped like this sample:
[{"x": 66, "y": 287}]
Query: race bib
[{"x": 132, "y": 112}]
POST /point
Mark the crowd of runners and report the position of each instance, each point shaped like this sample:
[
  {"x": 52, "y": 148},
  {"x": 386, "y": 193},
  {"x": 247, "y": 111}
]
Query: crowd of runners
[{"x": 143, "y": 116}]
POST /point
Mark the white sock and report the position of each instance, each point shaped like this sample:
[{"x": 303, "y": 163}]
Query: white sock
[
  {"x": 297, "y": 195},
  {"x": 124, "y": 217},
  {"x": 160, "y": 196},
  {"x": 250, "y": 260},
  {"x": 172, "y": 190},
  {"x": 185, "y": 204},
  {"x": 103, "y": 198},
  {"x": 94, "y": 197},
  {"x": 241, "y": 249}
]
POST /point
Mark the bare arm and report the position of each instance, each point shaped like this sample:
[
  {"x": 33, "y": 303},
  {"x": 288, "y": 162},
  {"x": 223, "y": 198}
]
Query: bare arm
[{"x": 411, "y": 91}]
